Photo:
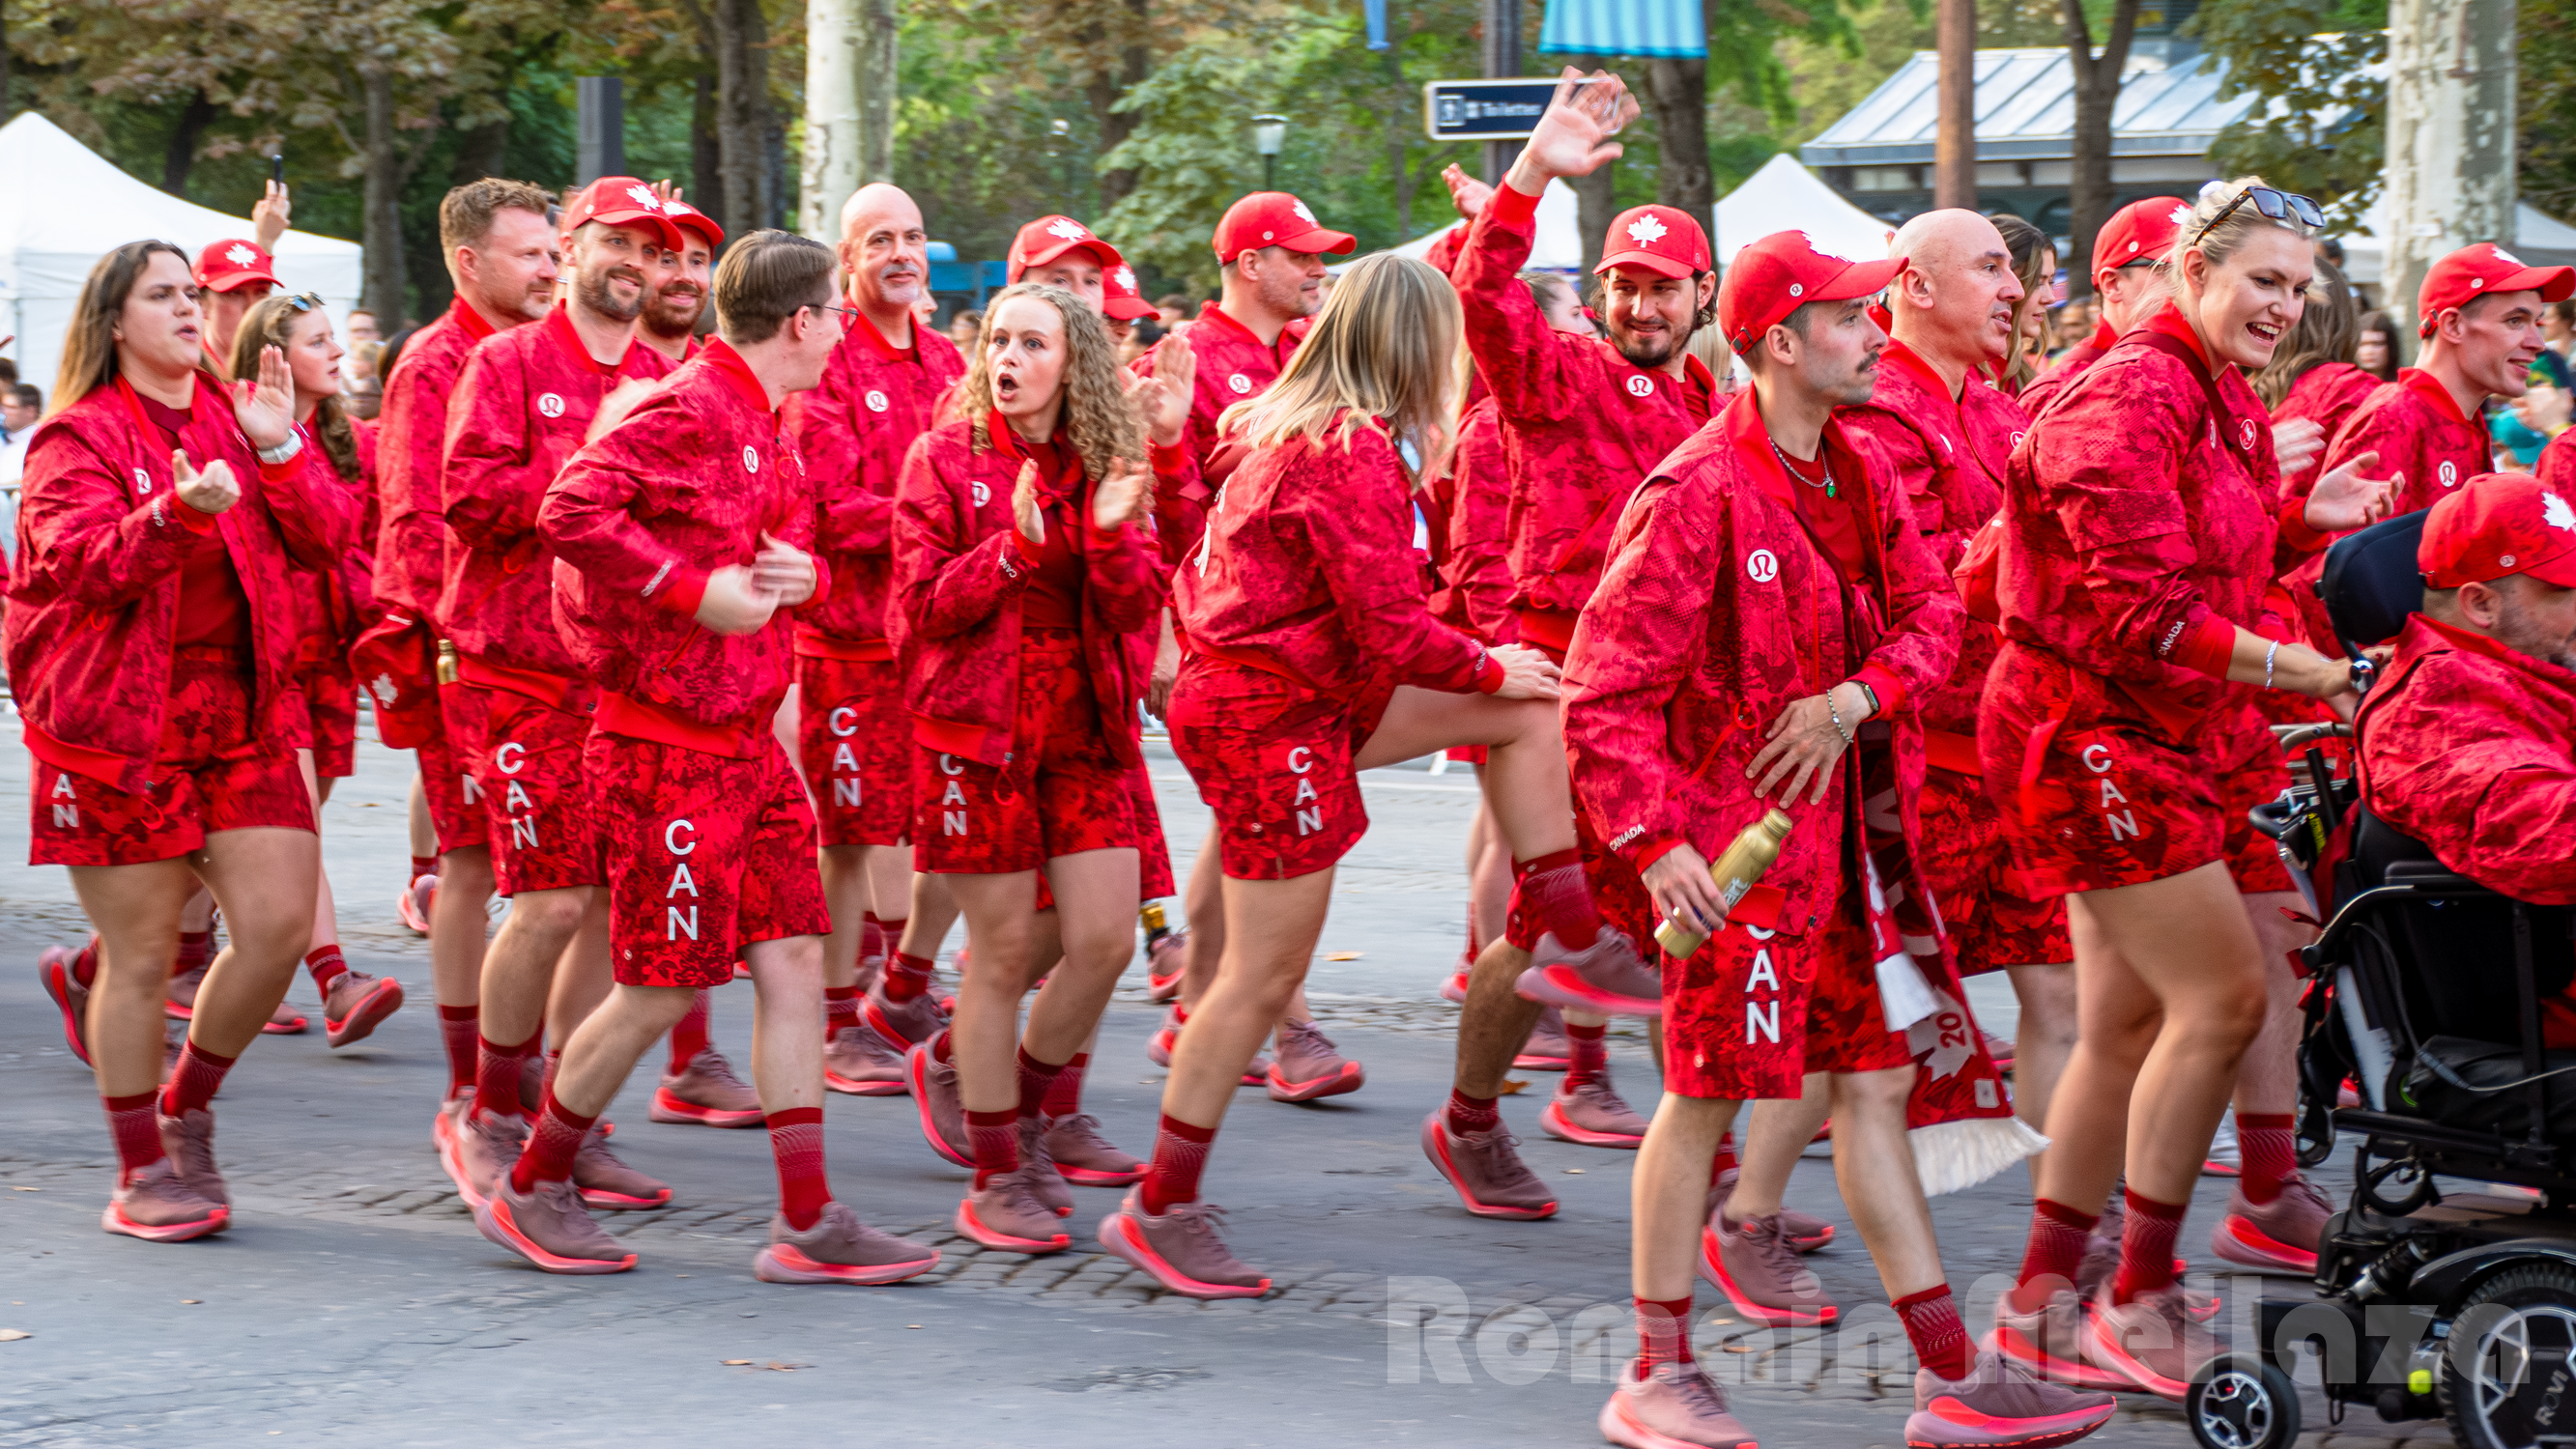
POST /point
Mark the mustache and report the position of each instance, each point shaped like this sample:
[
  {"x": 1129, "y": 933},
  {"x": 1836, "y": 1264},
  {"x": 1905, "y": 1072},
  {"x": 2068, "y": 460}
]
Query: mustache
[{"x": 623, "y": 273}]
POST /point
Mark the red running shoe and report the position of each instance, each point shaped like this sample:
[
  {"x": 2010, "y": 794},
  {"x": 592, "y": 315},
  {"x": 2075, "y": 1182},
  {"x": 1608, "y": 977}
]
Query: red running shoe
[
  {"x": 1999, "y": 1403},
  {"x": 54, "y": 968},
  {"x": 157, "y": 1205},
  {"x": 863, "y": 1064},
  {"x": 1489, "y": 1177},
  {"x": 1165, "y": 965},
  {"x": 1454, "y": 987},
  {"x": 1005, "y": 1213},
  {"x": 2049, "y": 1341},
  {"x": 943, "y": 1106},
  {"x": 1158, "y": 1050},
  {"x": 1308, "y": 1066},
  {"x": 550, "y": 1228},
  {"x": 356, "y": 1005},
  {"x": 2280, "y": 1235},
  {"x": 707, "y": 1093},
  {"x": 1085, "y": 1158},
  {"x": 839, "y": 1249},
  {"x": 1760, "y": 1274},
  {"x": 1607, "y": 977},
  {"x": 1592, "y": 1115},
  {"x": 414, "y": 902},
  {"x": 1180, "y": 1249}
]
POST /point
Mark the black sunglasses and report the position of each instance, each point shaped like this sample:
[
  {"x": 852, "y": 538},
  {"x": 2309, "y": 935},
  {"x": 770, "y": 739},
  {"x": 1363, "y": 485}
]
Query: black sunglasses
[
  {"x": 306, "y": 302},
  {"x": 2277, "y": 205}
]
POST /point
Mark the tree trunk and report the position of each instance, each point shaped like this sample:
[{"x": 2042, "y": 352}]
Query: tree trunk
[
  {"x": 194, "y": 117},
  {"x": 2450, "y": 137},
  {"x": 1594, "y": 205},
  {"x": 1677, "y": 87},
  {"x": 879, "y": 83},
  {"x": 2097, "y": 91},
  {"x": 773, "y": 171},
  {"x": 706, "y": 154},
  {"x": 742, "y": 114},
  {"x": 1103, "y": 92},
  {"x": 5, "y": 112},
  {"x": 383, "y": 287},
  {"x": 1954, "y": 147},
  {"x": 833, "y": 41},
  {"x": 481, "y": 151}
]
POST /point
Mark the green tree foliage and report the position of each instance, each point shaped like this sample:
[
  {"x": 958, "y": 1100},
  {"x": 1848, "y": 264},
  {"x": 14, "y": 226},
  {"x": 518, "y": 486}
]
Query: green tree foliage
[
  {"x": 2312, "y": 66},
  {"x": 2546, "y": 98}
]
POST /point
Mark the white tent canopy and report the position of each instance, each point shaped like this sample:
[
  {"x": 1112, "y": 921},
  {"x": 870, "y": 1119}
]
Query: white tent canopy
[
  {"x": 2539, "y": 238},
  {"x": 1783, "y": 196},
  {"x": 1556, "y": 247},
  {"x": 71, "y": 205}
]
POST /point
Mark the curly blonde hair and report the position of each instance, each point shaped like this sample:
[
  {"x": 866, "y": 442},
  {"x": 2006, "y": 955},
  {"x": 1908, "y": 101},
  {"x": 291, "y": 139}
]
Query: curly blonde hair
[{"x": 1098, "y": 419}]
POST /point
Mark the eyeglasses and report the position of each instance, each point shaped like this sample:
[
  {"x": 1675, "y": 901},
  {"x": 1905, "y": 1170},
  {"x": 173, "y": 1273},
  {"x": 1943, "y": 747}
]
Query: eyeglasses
[
  {"x": 2277, "y": 205},
  {"x": 306, "y": 302}
]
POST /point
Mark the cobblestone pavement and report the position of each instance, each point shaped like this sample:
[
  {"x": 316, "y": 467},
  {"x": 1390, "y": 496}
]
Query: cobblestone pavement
[{"x": 353, "y": 1296}]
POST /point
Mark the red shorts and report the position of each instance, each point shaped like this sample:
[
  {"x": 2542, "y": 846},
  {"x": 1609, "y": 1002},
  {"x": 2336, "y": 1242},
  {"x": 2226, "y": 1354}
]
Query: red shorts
[
  {"x": 331, "y": 710},
  {"x": 1753, "y": 1011},
  {"x": 214, "y": 773},
  {"x": 1063, "y": 791},
  {"x": 2256, "y": 775},
  {"x": 705, "y": 854},
  {"x": 854, "y": 739},
  {"x": 1991, "y": 922},
  {"x": 1273, "y": 761},
  {"x": 455, "y": 800},
  {"x": 536, "y": 794}
]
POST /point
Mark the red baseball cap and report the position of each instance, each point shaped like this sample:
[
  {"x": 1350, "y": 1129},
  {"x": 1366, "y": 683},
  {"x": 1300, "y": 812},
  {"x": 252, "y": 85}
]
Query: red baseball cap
[
  {"x": 683, "y": 214},
  {"x": 1275, "y": 219},
  {"x": 620, "y": 201},
  {"x": 232, "y": 263},
  {"x": 1665, "y": 240},
  {"x": 1121, "y": 297},
  {"x": 1050, "y": 237},
  {"x": 2142, "y": 231},
  {"x": 2472, "y": 272},
  {"x": 1782, "y": 272},
  {"x": 2497, "y": 524}
]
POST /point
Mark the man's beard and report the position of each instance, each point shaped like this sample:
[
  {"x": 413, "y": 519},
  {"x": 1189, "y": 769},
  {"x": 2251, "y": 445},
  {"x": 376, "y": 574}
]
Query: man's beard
[
  {"x": 597, "y": 296},
  {"x": 675, "y": 311},
  {"x": 1646, "y": 354},
  {"x": 2518, "y": 631}
]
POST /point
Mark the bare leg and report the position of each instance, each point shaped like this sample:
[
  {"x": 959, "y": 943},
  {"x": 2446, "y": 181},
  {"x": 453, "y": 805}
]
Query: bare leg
[
  {"x": 424, "y": 836},
  {"x": 846, "y": 894},
  {"x": 2042, "y": 1041},
  {"x": 519, "y": 969},
  {"x": 199, "y": 913},
  {"x": 135, "y": 909},
  {"x": 584, "y": 974},
  {"x": 786, "y": 1021},
  {"x": 1874, "y": 1167},
  {"x": 1013, "y": 943},
  {"x": 264, "y": 881},
  {"x": 1096, "y": 937},
  {"x": 1668, "y": 1196},
  {"x": 459, "y": 925},
  {"x": 934, "y": 910},
  {"x": 1203, "y": 910},
  {"x": 1775, "y": 1134},
  {"x": 603, "y": 1052},
  {"x": 1276, "y": 926},
  {"x": 2267, "y": 1081},
  {"x": 326, "y": 916}
]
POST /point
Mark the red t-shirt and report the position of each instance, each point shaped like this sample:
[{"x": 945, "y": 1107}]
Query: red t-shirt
[
  {"x": 1830, "y": 514},
  {"x": 1054, "y": 597},
  {"x": 213, "y": 610}
]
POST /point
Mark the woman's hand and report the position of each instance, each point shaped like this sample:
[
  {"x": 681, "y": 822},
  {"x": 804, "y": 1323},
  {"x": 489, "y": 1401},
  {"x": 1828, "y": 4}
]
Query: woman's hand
[
  {"x": 2296, "y": 444},
  {"x": 1684, "y": 892},
  {"x": 1025, "y": 514},
  {"x": 1162, "y": 401},
  {"x": 783, "y": 570},
  {"x": 2344, "y": 500},
  {"x": 212, "y": 491},
  {"x": 1466, "y": 192},
  {"x": 1167, "y": 668},
  {"x": 1804, "y": 744},
  {"x": 1120, "y": 498},
  {"x": 266, "y": 409},
  {"x": 1527, "y": 674}
]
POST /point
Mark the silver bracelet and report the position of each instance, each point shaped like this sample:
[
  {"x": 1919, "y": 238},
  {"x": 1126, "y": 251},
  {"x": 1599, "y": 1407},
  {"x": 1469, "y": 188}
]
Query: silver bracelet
[
  {"x": 1836, "y": 716},
  {"x": 2269, "y": 655},
  {"x": 285, "y": 451}
]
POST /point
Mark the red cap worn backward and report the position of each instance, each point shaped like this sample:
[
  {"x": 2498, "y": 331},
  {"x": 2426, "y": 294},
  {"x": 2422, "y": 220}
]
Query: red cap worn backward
[
  {"x": 1121, "y": 297},
  {"x": 232, "y": 263},
  {"x": 1782, "y": 272},
  {"x": 621, "y": 201},
  {"x": 2472, "y": 272},
  {"x": 2142, "y": 231},
  {"x": 1665, "y": 240},
  {"x": 689, "y": 217},
  {"x": 1050, "y": 237},
  {"x": 2498, "y": 524},
  {"x": 1275, "y": 219}
]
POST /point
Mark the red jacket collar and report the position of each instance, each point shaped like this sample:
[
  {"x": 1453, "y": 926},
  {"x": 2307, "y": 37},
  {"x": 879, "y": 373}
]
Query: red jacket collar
[
  {"x": 2170, "y": 322},
  {"x": 2102, "y": 337},
  {"x": 876, "y": 342},
  {"x": 1007, "y": 444},
  {"x": 1919, "y": 368},
  {"x": 720, "y": 356},
  {"x": 2541, "y": 671},
  {"x": 567, "y": 339},
  {"x": 2428, "y": 387},
  {"x": 469, "y": 319},
  {"x": 1210, "y": 312},
  {"x": 1745, "y": 432},
  {"x": 207, "y": 398}
]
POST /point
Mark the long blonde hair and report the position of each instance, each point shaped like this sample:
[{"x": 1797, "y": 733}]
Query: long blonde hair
[
  {"x": 1097, "y": 416},
  {"x": 89, "y": 343},
  {"x": 268, "y": 324},
  {"x": 1382, "y": 348}
]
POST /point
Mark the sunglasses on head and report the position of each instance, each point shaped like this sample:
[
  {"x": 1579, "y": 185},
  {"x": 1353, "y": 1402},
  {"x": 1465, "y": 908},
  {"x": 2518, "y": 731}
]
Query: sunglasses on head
[
  {"x": 306, "y": 302},
  {"x": 2277, "y": 205}
]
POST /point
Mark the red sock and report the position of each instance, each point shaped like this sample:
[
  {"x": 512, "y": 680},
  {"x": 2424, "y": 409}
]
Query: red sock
[
  {"x": 326, "y": 966},
  {"x": 872, "y": 936},
  {"x": 1036, "y": 1078},
  {"x": 546, "y": 1074},
  {"x": 85, "y": 965},
  {"x": 1472, "y": 1114},
  {"x": 689, "y": 1035},
  {"x": 1663, "y": 1332},
  {"x": 422, "y": 865},
  {"x": 1549, "y": 895},
  {"x": 2054, "y": 1252},
  {"x": 796, "y": 1141},
  {"x": 1064, "y": 1097},
  {"x": 196, "y": 948},
  {"x": 2268, "y": 1142},
  {"x": 2146, "y": 1246},
  {"x": 995, "y": 1137},
  {"x": 193, "y": 1084},
  {"x": 497, "y": 1071},
  {"x": 939, "y": 1048},
  {"x": 890, "y": 935},
  {"x": 840, "y": 1008},
  {"x": 460, "y": 1028},
  {"x": 1180, "y": 1155},
  {"x": 1472, "y": 949},
  {"x": 549, "y": 1153},
  {"x": 1932, "y": 1324},
  {"x": 1588, "y": 1057},
  {"x": 907, "y": 977},
  {"x": 131, "y": 1122}
]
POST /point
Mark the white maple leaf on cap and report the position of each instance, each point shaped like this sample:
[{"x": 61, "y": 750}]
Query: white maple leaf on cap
[
  {"x": 241, "y": 255},
  {"x": 644, "y": 198},
  {"x": 1810, "y": 240},
  {"x": 1303, "y": 214},
  {"x": 1067, "y": 228},
  {"x": 2555, "y": 512},
  {"x": 2180, "y": 215},
  {"x": 2506, "y": 257},
  {"x": 1126, "y": 278},
  {"x": 1646, "y": 230}
]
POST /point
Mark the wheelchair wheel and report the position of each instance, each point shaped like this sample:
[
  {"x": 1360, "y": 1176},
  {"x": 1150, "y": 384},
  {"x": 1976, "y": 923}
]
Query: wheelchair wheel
[
  {"x": 2237, "y": 1401},
  {"x": 2509, "y": 1359}
]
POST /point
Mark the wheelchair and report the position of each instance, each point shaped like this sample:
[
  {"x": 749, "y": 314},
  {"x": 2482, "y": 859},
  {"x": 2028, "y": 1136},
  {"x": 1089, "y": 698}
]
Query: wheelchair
[{"x": 2463, "y": 1309}]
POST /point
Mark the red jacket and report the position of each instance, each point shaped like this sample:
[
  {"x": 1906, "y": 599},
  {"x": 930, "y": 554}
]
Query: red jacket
[
  {"x": 638, "y": 519},
  {"x": 1717, "y": 610},
  {"x": 2139, "y": 531},
  {"x": 1466, "y": 508},
  {"x": 519, "y": 409},
  {"x": 1949, "y": 457},
  {"x": 2071, "y": 363},
  {"x": 2466, "y": 746},
  {"x": 2415, "y": 426},
  {"x": 2326, "y": 394},
  {"x": 855, "y": 431},
  {"x": 411, "y": 444},
  {"x": 1581, "y": 427},
  {"x": 1308, "y": 570},
  {"x": 2557, "y": 464},
  {"x": 333, "y": 605},
  {"x": 960, "y": 567},
  {"x": 1233, "y": 365},
  {"x": 95, "y": 591}
]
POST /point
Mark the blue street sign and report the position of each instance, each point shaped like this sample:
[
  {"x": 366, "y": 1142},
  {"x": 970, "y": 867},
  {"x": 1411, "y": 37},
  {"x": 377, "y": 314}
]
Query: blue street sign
[{"x": 1484, "y": 110}]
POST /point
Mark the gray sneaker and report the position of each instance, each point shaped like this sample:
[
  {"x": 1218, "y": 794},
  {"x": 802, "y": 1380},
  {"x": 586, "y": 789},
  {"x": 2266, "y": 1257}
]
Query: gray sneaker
[
  {"x": 1490, "y": 1178},
  {"x": 1675, "y": 1407},
  {"x": 1547, "y": 1049},
  {"x": 2152, "y": 1340},
  {"x": 1761, "y": 1274},
  {"x": 605, "y": 1181},
  {"x": 909, "y": 1023},
  {"x": 863, "y": 1064},
  {"x": 1592, "y": 1114},
  {"x": 1180, "y": 1249},
  {"x": 1085, "y": 1158},
  {"x": 2049, "y": 1341},
  {"x": 942, "y": 1104},
  {"x": 708, "y": 1092},
  {"x": 1606, "y": 978},
  {"x": 1803, "y": 1231},
  {"x": 839, "y": 1249},
  {"x": 1006, "y": 1213},
  {"x": 189, "y": 1139},
  {"x": 1037, "y": 1164},
  {"x": 1308, "y": 1067},
  {"x": 549, "y": 1227},
  {"x": 485, "y": 1146},
  {"x": 2000, "y": 1403},
  {"x": 156, "y": 1204}
]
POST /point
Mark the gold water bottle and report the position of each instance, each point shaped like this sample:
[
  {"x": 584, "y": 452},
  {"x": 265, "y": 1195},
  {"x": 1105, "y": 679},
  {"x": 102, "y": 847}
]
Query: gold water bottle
[
  {"x": 1735, "y": 873},
  {"x": 1156, "y": 926},
  {"x": 446, "y": 661}
]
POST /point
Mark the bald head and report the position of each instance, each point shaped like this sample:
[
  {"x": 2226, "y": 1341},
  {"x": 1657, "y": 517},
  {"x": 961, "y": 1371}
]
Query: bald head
[
  {"x": 884, "y": 248},
  {"x": 1953, "y": 302}
]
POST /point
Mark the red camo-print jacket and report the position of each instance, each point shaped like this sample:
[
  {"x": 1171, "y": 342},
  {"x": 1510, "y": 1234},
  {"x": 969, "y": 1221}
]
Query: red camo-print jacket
[
  {"x": 411, "y": 451},
  {"x": 2139, "y": 531},
  {"x": 2469, "y": 746},
  {"x": 2414, "y": 424},
  {"x": 856, "y": 430},
  {"x": 2557, "y": 464},
  {"x": 1233, "y": 365},
  {"x": 1581, "y": 427},
  {"x": 95, "y": 592},
  {"x": 1949, "y": 457},
  {"x": 335, "y": 605},
  {"x": 1716, "y": 612},
  {"x": 961, "y": 567},
  {"x": 1308, "y": 570},
  {"x": 1467, "y": 508},
  {"x": 2070, "y": 365},
  {"x": 519, "y": 410},
  {"x": 640, "y": 518},
  {"x": 2326, "y": 394}
]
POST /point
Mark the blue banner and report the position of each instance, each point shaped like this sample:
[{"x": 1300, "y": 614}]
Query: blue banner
[{"x": 1624, "y": 27}]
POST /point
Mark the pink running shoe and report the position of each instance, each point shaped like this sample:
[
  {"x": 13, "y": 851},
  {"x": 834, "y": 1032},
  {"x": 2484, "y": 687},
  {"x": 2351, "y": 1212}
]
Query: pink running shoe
[
  {"x": 863, "y": 1064},
  {"x": 1547, "y": 1049},
  {"x": 188, "y": 1140},
  {"x": 1606, "y": 978},
  {"x": 1803, "y": 1231},
  {"x": 1165, "y": 966},
  {"x": 1489, "y": 1177},
  {"x": 1180, "y": 1249},
  {"x": 1760, "y": 1274},
  {"x": 155, "y": 1204},
  {"x": 2280, "y": 1235},
  {"x": 2001, "y": 1405},
  {"x": 550, "y": 1228},
  {"x": 943, "y": 1106},
  {"x": 414, "y": 902},
  {"x": 1085, "y": 1158},
  {"x": 2049, "y": 1341},
  {"x": 708, "y": 1094},
  {"x": 356, "y": 1005},
  {"x": 1454, "y": 986},
  {"x": 1158, "y": 1050},
  {"x": 839, "y": 1249},
  {"x": 483, "y": 1146},
  {"x": 1676, "y": 1407},
  {"x": 54, "y": 968},
  {"x": 1308, "y": 1067},
  {"x": 2152, "y": 1340},
  {"x": 605, "y": 1181},
  {"x": 905, "y": 1023},
  {"x": 1592, "y": 1115},
  {"x": 1005, "y": 1213}
]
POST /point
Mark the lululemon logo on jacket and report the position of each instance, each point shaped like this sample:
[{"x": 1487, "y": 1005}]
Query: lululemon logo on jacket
[
  {"x": 983, "y": 494},
  {"x": 142, "y": 481},
  {"x": 2245, "y": 430},
  {"x": 750, "y": 458},
  {"x": 551, "y": 405},
  {"x": 1640, "y": 385},
  {"x": 1240, "y": 383},
  {"x": 1761, "y": 566},
  {"x": 876, "y": 401},
  {"x": 2450, "y": 474}
]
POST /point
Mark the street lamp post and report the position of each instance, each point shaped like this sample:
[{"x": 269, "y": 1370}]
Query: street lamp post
[{"x": 1268, "y": 134}]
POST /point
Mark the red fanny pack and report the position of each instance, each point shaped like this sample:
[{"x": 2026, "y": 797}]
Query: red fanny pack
[
  {"x": 395, "y": 662},
  {"x": 1981, "y": 571}
]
